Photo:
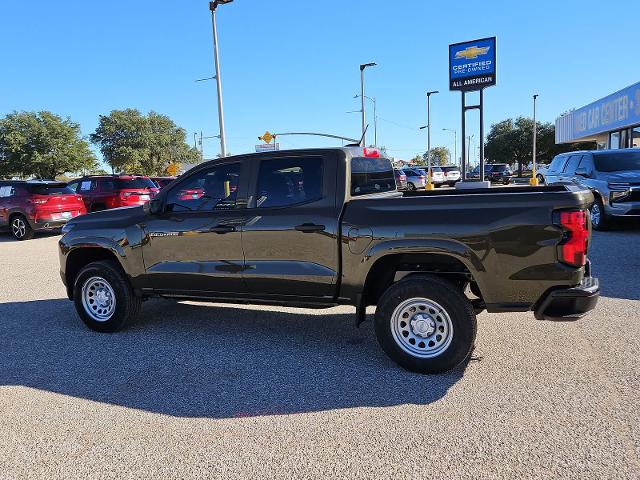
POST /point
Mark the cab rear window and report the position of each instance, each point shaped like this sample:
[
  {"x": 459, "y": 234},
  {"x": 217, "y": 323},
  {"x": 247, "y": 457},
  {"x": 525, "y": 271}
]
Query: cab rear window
[{"x": 371, "y": 175}]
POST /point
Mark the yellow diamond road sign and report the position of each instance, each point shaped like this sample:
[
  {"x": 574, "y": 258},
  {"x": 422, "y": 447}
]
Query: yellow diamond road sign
[{"x": 267, "y": 137}]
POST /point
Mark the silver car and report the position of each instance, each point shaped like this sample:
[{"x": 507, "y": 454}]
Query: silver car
[
  {"x": 416, "y": 178},
  {"x": 612, "y": 175}
]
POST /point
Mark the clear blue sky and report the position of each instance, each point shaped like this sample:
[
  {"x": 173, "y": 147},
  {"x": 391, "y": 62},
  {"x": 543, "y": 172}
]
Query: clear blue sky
[{"x": 293, "y": 65}]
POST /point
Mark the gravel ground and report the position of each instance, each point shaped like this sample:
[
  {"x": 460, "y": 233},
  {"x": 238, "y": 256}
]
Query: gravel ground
[{"x": 196, "y": 390}]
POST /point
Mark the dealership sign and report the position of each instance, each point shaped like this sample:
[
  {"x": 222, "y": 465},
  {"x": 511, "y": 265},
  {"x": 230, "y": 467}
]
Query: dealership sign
[
  {"x": 472, "y": 65},
  {"x": 614, "y": 112}
]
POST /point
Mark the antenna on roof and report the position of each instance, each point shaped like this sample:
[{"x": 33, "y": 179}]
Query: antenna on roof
[{"x": 361, "y": 143}]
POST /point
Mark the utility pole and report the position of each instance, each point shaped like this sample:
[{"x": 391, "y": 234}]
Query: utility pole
[
  {"x": 534, "y": 176},
  {"x": 469, "y": 138},
  {"x": 364, "y": 119},
  {"x": 429, "y": 185},
  {"x": 213, "y": 6}
]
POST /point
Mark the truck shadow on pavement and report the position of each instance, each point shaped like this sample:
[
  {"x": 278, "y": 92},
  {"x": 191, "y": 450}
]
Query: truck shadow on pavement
[
  {"x": 195, "y": 360},
  {"x": 616, "y": 262}
]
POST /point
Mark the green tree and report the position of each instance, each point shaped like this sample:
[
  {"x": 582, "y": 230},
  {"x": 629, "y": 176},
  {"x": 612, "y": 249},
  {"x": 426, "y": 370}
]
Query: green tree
[
  {"x": 42, "y": 145},
  {"x": 130, "y": 141},
  {"x": 511, "y": 141},
  {"x": 439, "y": 156}
]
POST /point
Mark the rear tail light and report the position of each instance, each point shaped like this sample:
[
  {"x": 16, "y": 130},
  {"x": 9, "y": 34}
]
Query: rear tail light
[
  {"x": 125, "y": 195},
  {"x": 573, "y": 248},
  {"x": 422, "y": 177},
  {"x": 38, "y": 200}
]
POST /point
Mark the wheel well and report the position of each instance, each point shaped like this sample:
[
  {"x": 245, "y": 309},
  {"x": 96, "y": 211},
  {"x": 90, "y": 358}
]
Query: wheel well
[
  {"x": 392, "y": 268},
  {"x": 81, "y": 257}
]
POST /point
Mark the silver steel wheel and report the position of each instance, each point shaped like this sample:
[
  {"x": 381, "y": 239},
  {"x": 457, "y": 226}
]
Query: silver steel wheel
[
  {"x": 595, "y": 214},
  {"x": 421, "y": 327},
  {"x": 18, "y": 227},
  {"x": 98, "y": 299}
]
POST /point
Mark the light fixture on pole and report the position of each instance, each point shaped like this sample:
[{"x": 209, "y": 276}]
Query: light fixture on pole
[
  {"x": 455, "y": 142},
  {"x": 534, "y": 175},
  {"x": 362, "y": 97},
  {"x": 213, "y": 6}
]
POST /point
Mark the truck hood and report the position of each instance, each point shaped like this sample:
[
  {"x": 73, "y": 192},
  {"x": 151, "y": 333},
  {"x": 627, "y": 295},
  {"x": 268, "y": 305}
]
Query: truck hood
[
  {"x": 627, "y": 176},
  {"x": 113, "y": 218}
]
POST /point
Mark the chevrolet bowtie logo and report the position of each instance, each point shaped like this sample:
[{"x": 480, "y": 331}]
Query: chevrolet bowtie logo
[{"x": 472, "y": 52}]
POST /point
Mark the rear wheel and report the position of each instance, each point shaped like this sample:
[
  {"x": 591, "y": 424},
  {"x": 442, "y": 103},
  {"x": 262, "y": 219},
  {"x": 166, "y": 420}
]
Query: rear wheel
[
  {"x": 425, "y": 324},
  {"x": 104, "y": 298},
  {"x": 540, "y": 179},
  {"x": 20, "y": 228},
  {"x": 599, "y": 219}
]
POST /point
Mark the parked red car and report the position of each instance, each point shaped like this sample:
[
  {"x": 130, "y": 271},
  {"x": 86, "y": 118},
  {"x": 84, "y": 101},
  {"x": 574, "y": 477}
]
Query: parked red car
[
  {"x": 101, "y": 192},
  {"x": 28, "y": 207}
]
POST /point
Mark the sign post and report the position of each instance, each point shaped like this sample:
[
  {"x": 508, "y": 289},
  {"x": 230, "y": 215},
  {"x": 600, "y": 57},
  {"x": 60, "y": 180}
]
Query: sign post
[{"x": 472, "y": 67}]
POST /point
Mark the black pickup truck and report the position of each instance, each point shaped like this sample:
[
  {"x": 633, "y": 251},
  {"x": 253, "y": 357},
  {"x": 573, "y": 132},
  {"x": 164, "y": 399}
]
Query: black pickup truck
[{"x": 323, "y": 227}]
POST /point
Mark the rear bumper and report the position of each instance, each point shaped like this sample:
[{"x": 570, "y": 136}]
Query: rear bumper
[
  {"x": 569, "y": 304},
  {"x": 44, "y": 225}
]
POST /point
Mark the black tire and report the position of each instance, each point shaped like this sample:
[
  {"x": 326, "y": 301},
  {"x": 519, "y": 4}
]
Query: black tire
[
  {"x": 20, "y": 228},
  {"x": 127, "y": 304},
  {"x": 453, "y": 302},
  {"x": 540, "y": 179},
  {"x": 410, "y": 186},
  {"x": 600, "y": 221},
  {"x": 506, "y": 181},
  {"x": 97, "y": 208}
]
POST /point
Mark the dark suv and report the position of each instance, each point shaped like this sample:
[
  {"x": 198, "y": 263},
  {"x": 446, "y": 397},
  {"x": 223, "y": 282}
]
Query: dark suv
[
  {"x": 101, "y": 192},
  {"x": 27, "y": 207},
  {"x": 498, "y": 172}
]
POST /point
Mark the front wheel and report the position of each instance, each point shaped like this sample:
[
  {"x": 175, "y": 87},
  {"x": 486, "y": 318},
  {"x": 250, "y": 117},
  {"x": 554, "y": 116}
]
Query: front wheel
[
  {"x": 425, "y": 324},
  {"x": 411, "y": 187},
  {"x": 104, "y": 298},
  {"x": 599, "y": 219}
]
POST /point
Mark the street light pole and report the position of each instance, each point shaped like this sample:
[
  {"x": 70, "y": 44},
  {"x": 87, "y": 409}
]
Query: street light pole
[
  {"x": 534, "y": 176},
  {"x": 455, "y": 142},
  {"x": 364, "y": 119},
  {"x": 429, "y": 185},
  {"x": 213, "y": 6}
]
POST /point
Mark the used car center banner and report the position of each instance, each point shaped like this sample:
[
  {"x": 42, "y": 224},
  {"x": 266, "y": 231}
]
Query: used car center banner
[{"x": 472, "y": 65}]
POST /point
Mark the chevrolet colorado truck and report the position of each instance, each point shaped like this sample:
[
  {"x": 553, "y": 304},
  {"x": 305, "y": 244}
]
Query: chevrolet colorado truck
[{"x": 323, "y": 227}]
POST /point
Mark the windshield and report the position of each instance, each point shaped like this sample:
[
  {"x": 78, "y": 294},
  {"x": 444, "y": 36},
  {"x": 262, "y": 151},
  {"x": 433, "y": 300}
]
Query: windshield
[
  {"x": 618, "y": 161},
  {"x": 50, "y": 189},
  {"x": 371, "y": 175},
  {"x": 142, "y": 182}
]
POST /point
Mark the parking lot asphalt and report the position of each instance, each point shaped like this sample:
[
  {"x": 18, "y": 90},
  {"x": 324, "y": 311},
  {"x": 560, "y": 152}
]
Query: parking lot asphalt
[{"x": 196, "y": 389}]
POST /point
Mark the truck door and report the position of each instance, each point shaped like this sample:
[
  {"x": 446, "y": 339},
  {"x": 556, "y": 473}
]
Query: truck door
[
  {"x": 194, "y": 247},
  {"x": 290, "y": 239}
]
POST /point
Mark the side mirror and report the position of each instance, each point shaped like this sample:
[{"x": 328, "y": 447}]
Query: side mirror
[
  {"x": 153, "y": 207},
  {"x": 582, "y": 172}
]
